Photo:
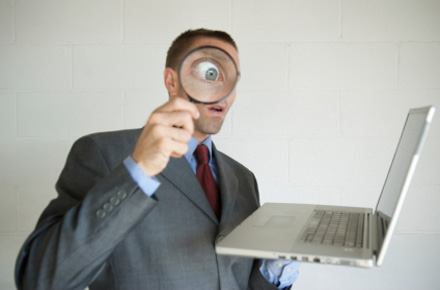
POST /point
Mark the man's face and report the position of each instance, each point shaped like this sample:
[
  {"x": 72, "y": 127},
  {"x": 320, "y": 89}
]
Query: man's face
[{"x": 212, "y": 116}]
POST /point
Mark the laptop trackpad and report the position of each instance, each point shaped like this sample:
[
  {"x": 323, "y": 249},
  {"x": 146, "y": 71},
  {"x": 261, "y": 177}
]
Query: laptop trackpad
[{"x": 276, "y": 221}]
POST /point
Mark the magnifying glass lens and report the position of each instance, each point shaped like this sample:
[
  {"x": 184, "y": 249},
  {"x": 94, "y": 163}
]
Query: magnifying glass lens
[{"x": 208, "y": 75}]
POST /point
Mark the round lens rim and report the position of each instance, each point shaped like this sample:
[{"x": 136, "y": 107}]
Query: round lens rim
[{"x": 193, "y": 100}]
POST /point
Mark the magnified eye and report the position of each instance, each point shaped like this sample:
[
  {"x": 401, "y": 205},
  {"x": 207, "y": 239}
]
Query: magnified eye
[{"x": 207, "y": 71}]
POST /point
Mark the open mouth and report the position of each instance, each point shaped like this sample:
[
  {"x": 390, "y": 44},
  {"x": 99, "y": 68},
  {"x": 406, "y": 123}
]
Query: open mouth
[{"x": 217, "y": 108}]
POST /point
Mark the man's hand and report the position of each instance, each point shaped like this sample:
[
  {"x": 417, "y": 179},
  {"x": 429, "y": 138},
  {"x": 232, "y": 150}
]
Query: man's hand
[{"x": 165, "y": 135}]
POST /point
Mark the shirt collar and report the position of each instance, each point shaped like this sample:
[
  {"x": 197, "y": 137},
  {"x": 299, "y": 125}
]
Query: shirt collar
[{"x": 192, "y": 145}]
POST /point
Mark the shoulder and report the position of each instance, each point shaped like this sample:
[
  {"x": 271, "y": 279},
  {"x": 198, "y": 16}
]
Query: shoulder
[
  {"x": 232, "y": 162},
  {"x": 237, "y": 167},
  {"x": 113, "y": 146},
  {"x": 108, "y": 140},
  {"x": 111, "y": 137}
]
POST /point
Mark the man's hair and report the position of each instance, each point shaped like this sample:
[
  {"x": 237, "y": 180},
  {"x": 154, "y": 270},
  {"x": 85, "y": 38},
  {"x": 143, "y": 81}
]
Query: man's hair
[{"x": 182, "y": 43}]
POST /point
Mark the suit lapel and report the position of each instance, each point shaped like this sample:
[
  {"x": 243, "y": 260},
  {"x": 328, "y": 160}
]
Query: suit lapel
[
  {"x": 179, "y": 173},
  {"x": 228, "y": 185}
]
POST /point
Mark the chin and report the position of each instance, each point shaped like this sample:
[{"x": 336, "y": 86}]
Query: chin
[
  {"x": 210, "y": 130},
  {"x": 209, "y": 127}
]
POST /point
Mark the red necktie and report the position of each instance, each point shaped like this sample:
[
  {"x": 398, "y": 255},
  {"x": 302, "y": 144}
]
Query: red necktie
[{"x": 206, "y": 179}]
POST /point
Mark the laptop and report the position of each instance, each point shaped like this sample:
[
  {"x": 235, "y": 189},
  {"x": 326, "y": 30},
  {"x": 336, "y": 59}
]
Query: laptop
[{"x": 337, "y": 235}]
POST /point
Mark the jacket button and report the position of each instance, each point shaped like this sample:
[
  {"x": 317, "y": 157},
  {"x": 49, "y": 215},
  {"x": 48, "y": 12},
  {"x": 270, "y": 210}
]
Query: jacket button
[
  {"x": 100, "y": 213},
  {"x": 115, "y": 200},
  {"x": 108, "y": 207},
  {"x": 122, "y": 194}
]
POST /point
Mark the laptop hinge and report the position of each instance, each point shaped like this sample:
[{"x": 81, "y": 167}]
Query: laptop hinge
[
  {"x": 374, "y": 237},
  {"x": 379, "y": 229}
]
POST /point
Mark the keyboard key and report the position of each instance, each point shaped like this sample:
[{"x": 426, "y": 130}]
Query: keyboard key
[{"x": 335, "y": 228}]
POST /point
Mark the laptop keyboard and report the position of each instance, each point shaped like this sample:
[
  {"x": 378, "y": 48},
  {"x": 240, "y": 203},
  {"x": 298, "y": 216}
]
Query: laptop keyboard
[{"x": 335, "y": 228}]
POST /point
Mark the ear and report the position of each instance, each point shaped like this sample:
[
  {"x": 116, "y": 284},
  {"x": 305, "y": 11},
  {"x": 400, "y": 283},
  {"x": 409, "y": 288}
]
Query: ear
[{"x": 171, "y": 80}]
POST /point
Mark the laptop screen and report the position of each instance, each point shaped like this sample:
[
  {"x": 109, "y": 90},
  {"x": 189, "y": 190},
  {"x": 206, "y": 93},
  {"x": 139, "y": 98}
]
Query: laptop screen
[
  {"x": 407, "y": 149},
  {"x": 400, "y": 174}
]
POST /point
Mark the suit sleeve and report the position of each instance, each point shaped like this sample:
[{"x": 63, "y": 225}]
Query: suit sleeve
[{"x": 95, "y": 209}]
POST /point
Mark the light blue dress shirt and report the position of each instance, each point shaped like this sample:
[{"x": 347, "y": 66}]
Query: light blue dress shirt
[{"x": 278, "y": 272}]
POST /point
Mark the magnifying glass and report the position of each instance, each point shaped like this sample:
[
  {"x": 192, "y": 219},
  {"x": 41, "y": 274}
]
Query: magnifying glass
[{"x": 208, "y": 75}]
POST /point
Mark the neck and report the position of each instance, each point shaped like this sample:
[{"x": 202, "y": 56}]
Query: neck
[{"x": 200, "y": 137}]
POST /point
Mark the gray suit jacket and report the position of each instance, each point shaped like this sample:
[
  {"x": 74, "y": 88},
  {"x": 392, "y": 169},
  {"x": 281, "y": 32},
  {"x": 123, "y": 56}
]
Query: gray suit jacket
[{"x": 102, "y": 231}]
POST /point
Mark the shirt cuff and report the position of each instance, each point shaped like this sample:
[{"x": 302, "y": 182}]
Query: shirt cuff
[
  {"x": 148, "y": 185},
  {"x": 280, "y": 273}
]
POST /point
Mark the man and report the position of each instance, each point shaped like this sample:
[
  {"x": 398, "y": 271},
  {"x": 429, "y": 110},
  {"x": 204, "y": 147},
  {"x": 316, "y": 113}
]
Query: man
[{"x": 131, "y": 213}]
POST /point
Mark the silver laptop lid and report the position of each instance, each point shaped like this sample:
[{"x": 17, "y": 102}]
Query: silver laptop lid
[{"x": 401, "y": 172}]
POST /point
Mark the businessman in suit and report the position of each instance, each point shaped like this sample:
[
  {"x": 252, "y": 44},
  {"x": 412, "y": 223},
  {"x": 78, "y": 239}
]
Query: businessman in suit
[{"x": 132, "y": 214}]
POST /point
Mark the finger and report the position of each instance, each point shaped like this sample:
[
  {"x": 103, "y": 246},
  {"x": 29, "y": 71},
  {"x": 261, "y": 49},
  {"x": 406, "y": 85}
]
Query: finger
[
  {"x": 177, "y": 104},
  {"x": 169, "y": 147},
  {"x": 180, "y": 135},
  {"x": 179, "y": 149},
  {"x": 155, "y": 158},
  {"x": 173, "y": 119},
  {"x": 177, "y": 134}
]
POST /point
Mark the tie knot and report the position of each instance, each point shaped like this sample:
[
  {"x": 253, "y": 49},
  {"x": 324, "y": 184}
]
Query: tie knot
[{"x": 202, "y": 154}]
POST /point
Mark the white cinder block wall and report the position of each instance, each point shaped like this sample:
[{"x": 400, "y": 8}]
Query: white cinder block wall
[{"x": 325, "y": 88}]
